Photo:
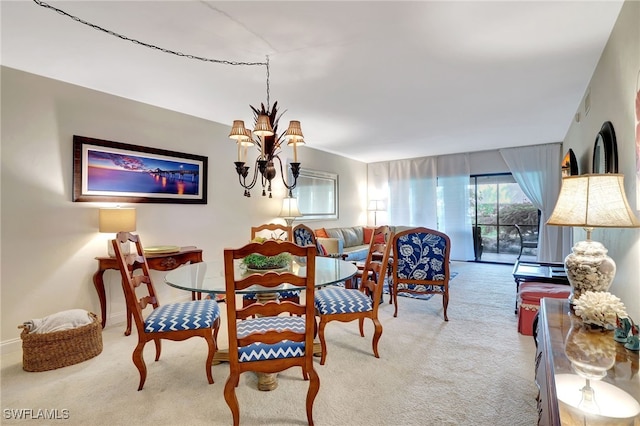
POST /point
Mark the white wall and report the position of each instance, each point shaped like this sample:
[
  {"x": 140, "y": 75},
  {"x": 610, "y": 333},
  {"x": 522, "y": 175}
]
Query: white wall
[
  {"x": 611, "y": 93},
  {"x": 49, "y": 243}
]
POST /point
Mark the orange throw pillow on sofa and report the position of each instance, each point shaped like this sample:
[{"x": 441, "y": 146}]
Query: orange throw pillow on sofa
[
  {"x": 368, "y": 232},
  {"x": 321, "y": 233}
]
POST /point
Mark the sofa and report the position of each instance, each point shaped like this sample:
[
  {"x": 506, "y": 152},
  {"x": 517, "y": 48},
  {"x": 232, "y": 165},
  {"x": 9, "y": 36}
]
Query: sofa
[{"x": 352, "y": 241}]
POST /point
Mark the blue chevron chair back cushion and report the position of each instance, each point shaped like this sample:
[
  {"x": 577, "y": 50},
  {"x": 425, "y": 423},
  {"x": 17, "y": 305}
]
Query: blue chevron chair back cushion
[
  {"x": 421, "y": 256},
  {"x": 192, "y": 315},
  {"x": 338, "y": 300},
  {"x": 263, "y": 351}
]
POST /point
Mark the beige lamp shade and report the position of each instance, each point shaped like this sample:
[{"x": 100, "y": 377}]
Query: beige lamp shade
[
  {"x": 247, "y": 140},
  {"x": 290, "y": 208},
  {"x": 593, "y": 201},
  {"x": 263, "y": 126},
  {"x": 238, "y": 131},
  {"x": 376, "y": 206},
  {"x": 294, "y": 133},
  {"x": 117, "y": 220}
]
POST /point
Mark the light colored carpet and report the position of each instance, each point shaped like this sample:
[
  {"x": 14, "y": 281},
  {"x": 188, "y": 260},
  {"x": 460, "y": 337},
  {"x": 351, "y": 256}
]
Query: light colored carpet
[{"x": 473, "y": 370}]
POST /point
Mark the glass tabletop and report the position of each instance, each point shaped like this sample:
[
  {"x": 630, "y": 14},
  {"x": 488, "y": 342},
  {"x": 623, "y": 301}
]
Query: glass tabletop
[{"x": 208, "y": 277}]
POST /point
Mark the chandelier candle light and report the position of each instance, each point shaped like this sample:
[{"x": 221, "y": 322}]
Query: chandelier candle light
[
  {"x": 591, "y": 201},
  {"x": 269, "y": 141}
]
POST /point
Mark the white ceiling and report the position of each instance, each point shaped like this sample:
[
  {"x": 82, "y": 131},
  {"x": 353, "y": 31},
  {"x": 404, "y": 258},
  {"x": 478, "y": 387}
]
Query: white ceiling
[{"x": 370, "y": 80}]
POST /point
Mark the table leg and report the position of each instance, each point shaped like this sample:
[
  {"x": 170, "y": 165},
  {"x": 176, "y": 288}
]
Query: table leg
[
  {"x": 267, "y": 381},
  {"x": 98, "y": 283}
]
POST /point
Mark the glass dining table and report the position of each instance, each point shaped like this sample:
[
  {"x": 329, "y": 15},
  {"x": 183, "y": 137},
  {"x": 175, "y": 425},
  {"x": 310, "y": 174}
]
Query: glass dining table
[{"x": 209, "y": 278}]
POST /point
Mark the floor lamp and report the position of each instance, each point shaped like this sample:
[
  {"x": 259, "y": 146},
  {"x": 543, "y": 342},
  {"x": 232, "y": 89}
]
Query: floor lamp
[{"x": 376, "y": 206}]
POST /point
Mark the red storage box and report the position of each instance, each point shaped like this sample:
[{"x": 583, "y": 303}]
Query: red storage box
[{"x": 529, "y": 296}]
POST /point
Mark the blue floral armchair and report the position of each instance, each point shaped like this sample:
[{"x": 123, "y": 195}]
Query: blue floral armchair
[{"x": 421, "y": 264}]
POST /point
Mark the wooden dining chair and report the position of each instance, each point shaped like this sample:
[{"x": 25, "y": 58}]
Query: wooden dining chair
[
  {"x": 335, "y": 303},
  {"x": 279, "y": 233},
  {"x": 261, "y": 339},
  {"x": 175, "y": 321},
  {"x": 420, "y": 265},
  {"x": 384, "y": 236}
]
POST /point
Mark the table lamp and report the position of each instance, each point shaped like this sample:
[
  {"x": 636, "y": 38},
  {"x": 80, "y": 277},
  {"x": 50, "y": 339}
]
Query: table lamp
[
  {"x": 114, "y": 220},
  {"x": 591, "y": 201},
  {"x": 376, "y": 206},
  {"x": 290, "y": 210}
]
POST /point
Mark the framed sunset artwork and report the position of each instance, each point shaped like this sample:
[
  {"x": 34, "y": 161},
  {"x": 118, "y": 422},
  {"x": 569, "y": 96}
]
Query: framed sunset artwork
[{"x": 119, "y": 172}]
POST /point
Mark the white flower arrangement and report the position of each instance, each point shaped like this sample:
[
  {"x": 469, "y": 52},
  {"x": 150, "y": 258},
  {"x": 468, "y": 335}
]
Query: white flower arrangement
[{"x": 599, "y": 308}]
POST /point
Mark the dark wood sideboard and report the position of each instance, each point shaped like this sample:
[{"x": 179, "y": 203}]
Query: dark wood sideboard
[{"x": 551, "y": 363}]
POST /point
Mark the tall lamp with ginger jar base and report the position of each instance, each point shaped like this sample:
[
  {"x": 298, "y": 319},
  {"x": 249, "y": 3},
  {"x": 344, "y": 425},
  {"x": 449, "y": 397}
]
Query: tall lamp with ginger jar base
[{"x": 592, "y": 201}]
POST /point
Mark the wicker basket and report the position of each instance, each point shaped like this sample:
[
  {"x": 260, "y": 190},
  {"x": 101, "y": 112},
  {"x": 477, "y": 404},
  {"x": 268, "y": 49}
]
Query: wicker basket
[{"x": 48, "y": 351}]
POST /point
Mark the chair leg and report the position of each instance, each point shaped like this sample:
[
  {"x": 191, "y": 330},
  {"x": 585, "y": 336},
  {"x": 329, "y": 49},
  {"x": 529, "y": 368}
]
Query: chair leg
[
  {"x": 230, "y": 397},
  {"x": 395, "y": 300},
  {"x": 361, "y": 326},
  {"x": 212, "y": 351},
  {"x": 158, "y": 344},
  {"x": 314, "y": 386},
  {"x": 138, "y": 360},
  {"x": 376, "y": 336},
  {"x": 445, "y": 303},
  {"x": 323, "y": 343}
]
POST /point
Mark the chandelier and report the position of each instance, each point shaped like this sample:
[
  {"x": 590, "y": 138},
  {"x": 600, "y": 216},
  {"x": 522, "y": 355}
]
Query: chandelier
[
  {"x": 268, "y": 142},
  {"x": 265, "y": 132}
]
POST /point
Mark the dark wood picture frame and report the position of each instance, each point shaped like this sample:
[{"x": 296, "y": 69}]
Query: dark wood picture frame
[
  {"x": 605, "y": 151},
  {"x": 119, "y": 172}
]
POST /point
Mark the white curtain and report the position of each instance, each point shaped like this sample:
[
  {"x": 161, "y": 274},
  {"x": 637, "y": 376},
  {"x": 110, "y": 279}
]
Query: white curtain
[
  {"x": 453, "y": 218},
  {"x": 409, "y": 188},
  {"x": 538, "y": 172}
]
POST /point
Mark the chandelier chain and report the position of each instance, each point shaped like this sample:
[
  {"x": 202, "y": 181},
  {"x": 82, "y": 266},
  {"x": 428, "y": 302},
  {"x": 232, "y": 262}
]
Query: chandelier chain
[
  {"x": 268, "y": 91},
  {"x": 154, "y": 47}
]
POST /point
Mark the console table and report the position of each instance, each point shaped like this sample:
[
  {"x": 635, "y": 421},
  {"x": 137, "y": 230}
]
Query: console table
[
  {"x": 558, "y": 383},
  {"x": 158, "y": 262}
]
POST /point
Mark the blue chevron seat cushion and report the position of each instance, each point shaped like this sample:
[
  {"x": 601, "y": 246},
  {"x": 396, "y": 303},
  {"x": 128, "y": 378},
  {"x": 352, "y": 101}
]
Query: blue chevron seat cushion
[
  {"x": 262, "y": 351},
  {"x": 337, "y": 300},
  {"x": 192, "y": 315}
]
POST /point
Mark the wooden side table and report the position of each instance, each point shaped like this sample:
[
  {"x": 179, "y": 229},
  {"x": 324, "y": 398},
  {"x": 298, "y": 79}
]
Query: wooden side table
[{"x": 157, "y": 262}]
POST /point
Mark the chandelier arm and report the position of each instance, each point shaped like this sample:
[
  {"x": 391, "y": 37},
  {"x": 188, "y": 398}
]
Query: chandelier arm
[
  {"x": 284, "y": 180},
  {"x": 242, "y": 175},
  {"x": 149, "y": 45}
]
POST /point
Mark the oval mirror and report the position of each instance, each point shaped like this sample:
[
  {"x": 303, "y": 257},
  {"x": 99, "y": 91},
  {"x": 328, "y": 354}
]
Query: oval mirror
[{"x": 605, "y": 150}]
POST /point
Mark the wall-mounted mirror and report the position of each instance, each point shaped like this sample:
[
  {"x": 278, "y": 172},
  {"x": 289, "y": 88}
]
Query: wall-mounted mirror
[
  {"x": 569, "y": 164},
  {"x": 317, "y": 194},
  {"x": 605, "y": 151}
]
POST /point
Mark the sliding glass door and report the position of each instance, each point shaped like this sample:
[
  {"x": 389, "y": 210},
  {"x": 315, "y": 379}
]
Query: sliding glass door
[{"x": 498, "y": 204}]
